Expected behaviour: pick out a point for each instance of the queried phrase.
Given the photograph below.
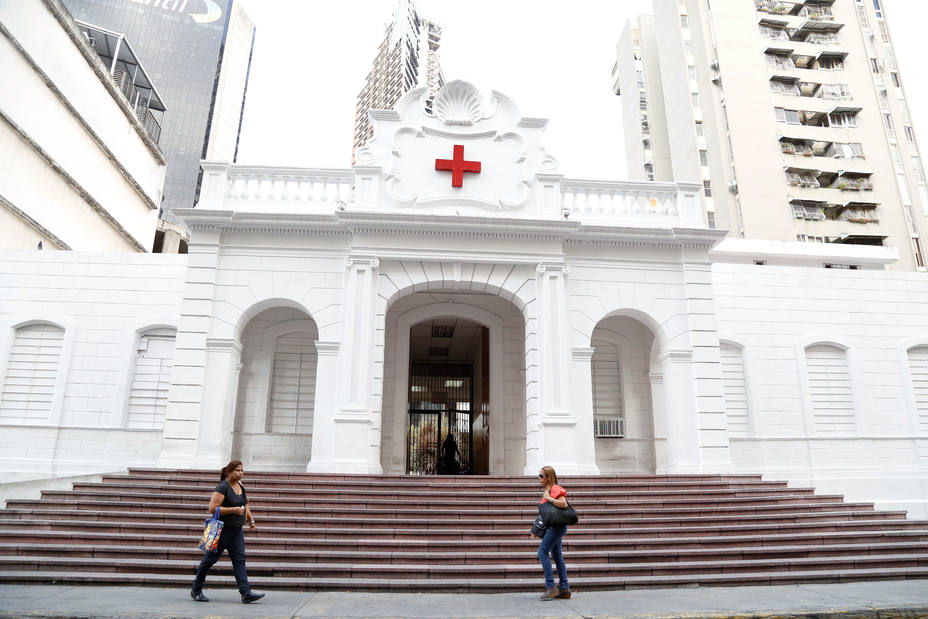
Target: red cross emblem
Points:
(457, 166)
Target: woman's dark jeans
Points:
(231, 539)
(551, 545)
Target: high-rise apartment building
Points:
(792, 114)
(198, 52)
(406, 59)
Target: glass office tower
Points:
(198, 52)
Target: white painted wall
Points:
(774, 313)
(103, 301)
(84, 128)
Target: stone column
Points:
(217, 413)
(354, 423)
(558, 439)
(680, 406)
(188, 377)
(581, 390)
(322, 451)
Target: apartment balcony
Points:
(818, 134)
(128, 75)
(831, 165)
(813, 105)
(855, 233)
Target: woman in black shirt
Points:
(229, 496)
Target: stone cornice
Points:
(454, 225)
(280, 223)
(623, 236)
(73, 184)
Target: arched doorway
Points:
(276, 390)
(623, 407)
(447, 429)
(454, 364)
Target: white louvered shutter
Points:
(151, 380)
(918, 367)
(735, 389)
(830, 390)
(608, 401)
(293, 385)
(31, 373)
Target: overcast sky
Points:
(553, 58)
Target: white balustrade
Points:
(285, 188)
(622, 203)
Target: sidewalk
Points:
(907, 598)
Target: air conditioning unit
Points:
(609, 428)
(733, 186)
(715, 64)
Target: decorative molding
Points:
(224, 344)
(367, 261)
(582, 354)
(458, 103)
(676, 356)
(543, 267)
(72, 182)
(329, 349)
(60, 244)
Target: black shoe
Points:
(248, 598)
(197, 594)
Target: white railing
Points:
(290, 185)
(622, 203)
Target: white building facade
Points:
(453, 283)
(791, 113)
(81, 171)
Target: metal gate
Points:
(438, 437)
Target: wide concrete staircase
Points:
(398, 533)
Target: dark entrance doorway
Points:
(440, 430)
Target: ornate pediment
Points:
(466, 155)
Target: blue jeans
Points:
(231, 539)
(551, 545)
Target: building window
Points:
(694, 99)
(909, 134)
(918, 370)
(293, 385)
(151, 379)
(608, 397)
(876, 7)
(684, 22)
(830, 390)
(707, 188)
(649, 171)
(875, 65)
(31, 373)
(691, 72)
(888, 121)
(735, 389)
(699, 131)
(703, 158)
(895, 78)
(831, 63)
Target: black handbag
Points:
(538, 526)
(556, 516)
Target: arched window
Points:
(293, 384)
(151, 379)
(735, 389)
(31, 373)
(608, 399)
(830, 390)
(918, 369)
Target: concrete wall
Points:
(78, 166)
(774, 313)
(103, 302)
